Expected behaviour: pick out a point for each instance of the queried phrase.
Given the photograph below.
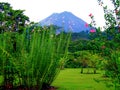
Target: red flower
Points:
(90, 15)
(103, 47)
(86, 25)
(92, 31)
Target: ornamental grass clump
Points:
(31, 59)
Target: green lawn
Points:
(71, 79)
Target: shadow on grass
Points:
(22, 87)
(106, 81)
(90, 73)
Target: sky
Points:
(38, 10)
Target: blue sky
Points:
(40, 9)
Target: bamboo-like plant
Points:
(32, 61)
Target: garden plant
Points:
(29, 56)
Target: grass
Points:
(71, 79)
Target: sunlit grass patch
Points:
(72, 79)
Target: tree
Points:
(95, 61)
(11, 20)
(84, 59)
(12, 23)
(112, 46)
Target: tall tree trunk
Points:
(94, 70)
(81, 69)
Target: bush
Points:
(31, 61)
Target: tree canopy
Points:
(10, 19)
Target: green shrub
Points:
(32, 61)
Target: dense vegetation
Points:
(31, 55)
(101, 50)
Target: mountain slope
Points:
(66, 20)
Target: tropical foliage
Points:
(29, 55)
